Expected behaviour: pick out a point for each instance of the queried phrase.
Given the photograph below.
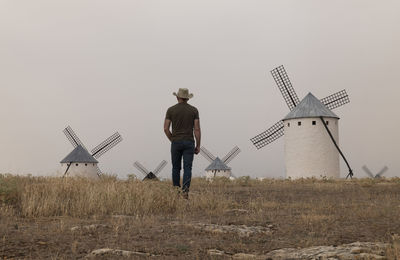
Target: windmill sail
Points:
(73, 138)
(268, 136)
(141, 168)
(106, 145)
(367, 171)
(232, 154)
(99, 173)
(160, 167)
(66, 171)
(379, 174)
(285, 86)
(209, 156)
(336, 100)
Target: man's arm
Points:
(197, 135)
(167, 124)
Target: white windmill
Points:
(219, 167)
(150, 175)
(311, 132)
(80, 162)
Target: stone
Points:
(242, 256)
(357, 250)
(241, 230)
(116, 252)
(123, 217)
(75, 228)
(236, 211)
(215, 252)
(88, 227)
(370, 256)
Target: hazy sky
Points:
(105, 66)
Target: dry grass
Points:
(79, 197)
(315, 200)
(304, 213)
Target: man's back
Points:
(182, 116)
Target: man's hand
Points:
(197, 135)
(167, 124)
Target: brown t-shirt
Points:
(182, 116)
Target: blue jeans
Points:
(182, 149)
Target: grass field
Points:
(37, 215)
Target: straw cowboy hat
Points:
(183, 93)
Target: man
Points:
(185, 121)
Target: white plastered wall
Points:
(88, 170)
(212, 174)
(309, 151)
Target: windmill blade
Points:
(268, 136)
(65, 173)
(369, 173)
(99, 173)
(160, 167)
(209, 156)
(72, 137)
(106, 145)
(232, 154)
(285, 86)
(379, 174)
(336, 100)
(141, 168)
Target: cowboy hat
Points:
(183, 93)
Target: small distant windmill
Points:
(376, 176)
(218, 167)
(148, 174)
(311, 132)
(80, 162)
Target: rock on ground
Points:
(357, 250)
(217, 254)
(89, 227)
(241, 230)
(115, 252)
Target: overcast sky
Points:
(105, 66)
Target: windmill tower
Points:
(148, 175)
(80, 162)
(311, 132)
(376, 176)
(218, 167)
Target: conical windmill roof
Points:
(217, 164)
(79, 155)
(310, 106)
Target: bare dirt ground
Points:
(287, 214)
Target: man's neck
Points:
(180, 101)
